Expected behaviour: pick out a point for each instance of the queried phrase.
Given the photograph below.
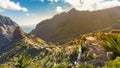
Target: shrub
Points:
(113, 64)
(21, 62)
(84, 65)
(63, 65)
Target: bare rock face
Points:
(18, 34)
(7, 26)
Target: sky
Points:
(28, 13)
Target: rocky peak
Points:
(6, 20)
(7, 26)
(18, 34)
(73, 9)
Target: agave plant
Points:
(111, 43)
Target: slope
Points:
(7, 26)
(67, 26)
(22, 43)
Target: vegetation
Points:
(113, 64)
(84, 65)
(111, 43)
(24, 55)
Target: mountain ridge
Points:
(67, 26)
(7, 26)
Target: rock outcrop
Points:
(7, 26)
(18, 34)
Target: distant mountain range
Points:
(67, 26)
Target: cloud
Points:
(56, 0)
(9, 5)
(27, 14)
(1, 10)
(30, 14)
(37, 0)
(42, 0)
(53, 1)
(59, 9)
(92, 5)
(74, 3)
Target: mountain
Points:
(21, 43)
(7, 26)
(67, 26)
(14, 41)
(18, 34)
(29, 51)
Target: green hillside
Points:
(28, 46)
(87, 51)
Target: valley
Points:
(73, 39)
